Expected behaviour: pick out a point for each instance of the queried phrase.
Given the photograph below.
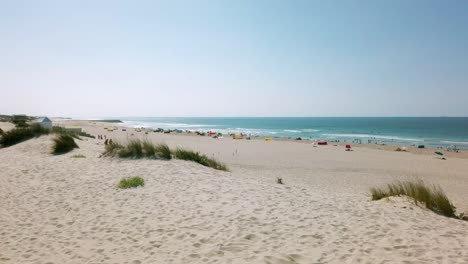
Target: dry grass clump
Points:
(433, 197)
(78, 156)
(18, 135)
(190, 155)
(131, 182)
(137, 149)
(63, 143)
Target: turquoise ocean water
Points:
(429, 131)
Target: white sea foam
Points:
(292, 131)
(372, 136)
(455, 142)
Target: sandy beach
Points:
(59, 209)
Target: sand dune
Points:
(59, 209)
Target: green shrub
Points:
(63, 143)
(20, 123)
(131, 182)
(432, 197)
(198, 158)
(18, 135)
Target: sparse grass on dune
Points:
(63, 143)
(163, 151)
(190, 155)
(131, 182)
(113, 149)
(18, 135)
(137, 149)
(78, 156)
(433, 197)
(133, 149)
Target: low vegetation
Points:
(137, 149)
(78, 156)
(279, 180)
(190, 155)
(63, 143)
(131, 182)
(18, 135)
(432, 197)
(77, 135)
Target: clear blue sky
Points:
(234, 58)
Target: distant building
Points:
(44, 122)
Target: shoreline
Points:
(462, 153)
(444, 144)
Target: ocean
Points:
(428, 131)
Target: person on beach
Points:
(110, 141)
(105, 142)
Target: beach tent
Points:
(322, 143)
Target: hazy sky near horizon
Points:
(234, 58)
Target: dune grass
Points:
(190, 155)
(18, 135)
(131, 182)
(63, 143)
(137, 149)
(78, 156)
(432, 197)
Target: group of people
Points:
(106, 141)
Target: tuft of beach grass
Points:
(63, 143)
(137, 149)
(432, 197)
(131, 182)
(190, 155)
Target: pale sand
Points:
(57, 209)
